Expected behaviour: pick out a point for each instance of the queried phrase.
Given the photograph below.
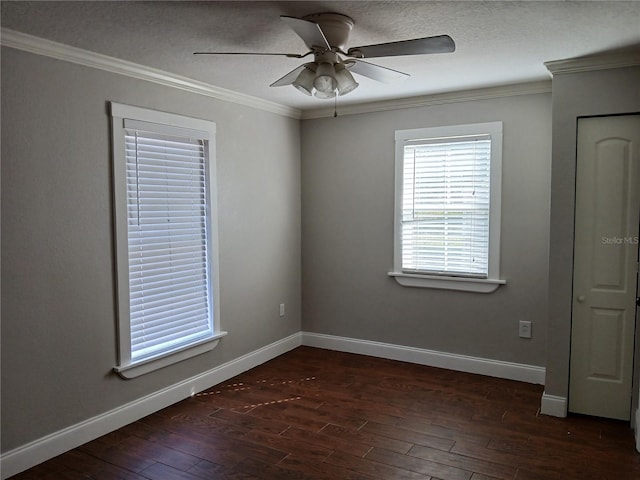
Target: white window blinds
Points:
(445, 206)
(170, 301)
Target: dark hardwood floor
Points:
(319, 414)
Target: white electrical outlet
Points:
(282, 309)
(525, 329)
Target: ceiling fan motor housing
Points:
(326, 57)
(335, 26)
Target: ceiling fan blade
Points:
(417, 46)
(375, 72)
(289, 78)
(290, 55)
(308, 31)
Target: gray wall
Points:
(604, 92)
(58, 315)
(347, 212)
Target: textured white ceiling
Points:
(497, 42)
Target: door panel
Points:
(605, 336)
(610, 199)
(605, 266)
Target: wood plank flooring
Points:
(315, 414)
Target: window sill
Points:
(135, 369)
(477, 285)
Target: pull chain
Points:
(335, 106)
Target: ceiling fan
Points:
(326, 35)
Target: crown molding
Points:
(594, 62)
(529, 88)
(60, 51)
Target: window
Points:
(166, 238)
(447, 214)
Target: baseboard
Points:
(462, 363)
(553, 405)
(36, 452)
(31, 454)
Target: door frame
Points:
(635, 392)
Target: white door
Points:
(605, 266)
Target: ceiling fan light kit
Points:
(326, 35)
(304, 81)
(346, 82)
(324, 78)
(325, 81)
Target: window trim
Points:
(452, 282)
(120, 114)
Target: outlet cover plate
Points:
(524, 329)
